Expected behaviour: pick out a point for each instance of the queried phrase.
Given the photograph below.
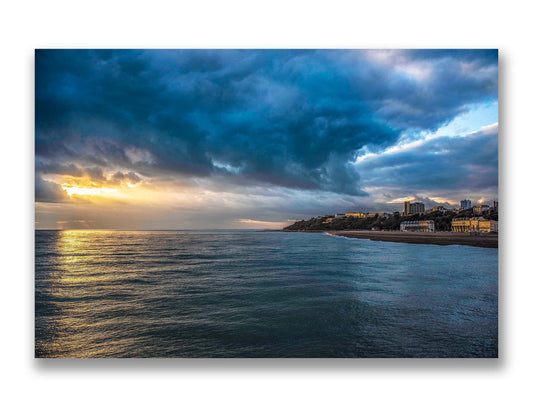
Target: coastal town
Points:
(477, 219)
(466, 225)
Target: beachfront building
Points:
(417, 226)
(464, 224)
(488, 226)
(474, 225)
(466, 204)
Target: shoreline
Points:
(436, 238)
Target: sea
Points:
(260, 294)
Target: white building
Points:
(417, 226)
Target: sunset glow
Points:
(76, 190)
(242, 139)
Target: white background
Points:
(26, 25)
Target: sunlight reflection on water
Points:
(227, 294)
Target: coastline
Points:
(436, 238)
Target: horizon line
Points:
(151, 230)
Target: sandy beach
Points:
(438, 238)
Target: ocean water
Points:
(260, 294)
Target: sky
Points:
(256, 139)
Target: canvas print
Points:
(266, 203)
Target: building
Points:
(417, 207)
(479, 209)
(412, 208)
(488, 226)
(438, 209)
(406, 208)
(340, 215)
(474, 225)
(417, 226)
(357, 214)
(495, 206)
(466, 204)
(464, 224)
(364, 215)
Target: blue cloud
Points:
(442, 164)
(290, 118)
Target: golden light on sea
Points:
(84, 288)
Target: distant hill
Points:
(443, 221)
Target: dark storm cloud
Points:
(287, 118)
(58, 168)
(481, 56)
(46, 191)
(445, 164)
(129, 177)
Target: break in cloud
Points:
(295, 130)
(455, 166)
